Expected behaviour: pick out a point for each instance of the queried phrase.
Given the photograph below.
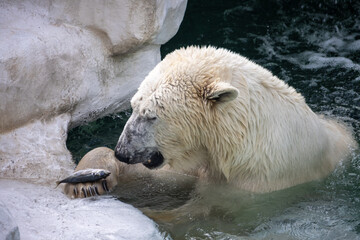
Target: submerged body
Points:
(216, 115)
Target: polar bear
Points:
(215, 114)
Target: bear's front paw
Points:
(83, 190)
(88, 183)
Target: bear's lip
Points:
(155, 161)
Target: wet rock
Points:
(8, 228)
(42, 213)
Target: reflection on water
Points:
(315, 47)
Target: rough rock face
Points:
(65, 62)
(62, 63)
(8, 228)
(41, 213)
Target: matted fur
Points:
(260, 136)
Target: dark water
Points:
(315, 47)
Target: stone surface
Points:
(63, 56)
(8, 228)
(42, 213)
(37, 151)
(83, 59)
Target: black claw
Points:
(75, 191)
(84, 192)
(107, 188)
(104, 183)
(96, 190)
(93, 193)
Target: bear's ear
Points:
(222, 92)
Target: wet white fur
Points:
(262, 137)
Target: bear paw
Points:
(84, 190)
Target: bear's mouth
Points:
(156, 160)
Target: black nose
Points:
(121, 157)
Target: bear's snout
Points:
(121, 157)
(150, 157)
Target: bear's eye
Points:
(152, 118)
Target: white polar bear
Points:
(215, 114)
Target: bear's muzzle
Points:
(150, 159)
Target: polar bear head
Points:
(187, 110)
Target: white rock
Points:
(37, 151)
(83, 59)
(8, 228)
(44, 213)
